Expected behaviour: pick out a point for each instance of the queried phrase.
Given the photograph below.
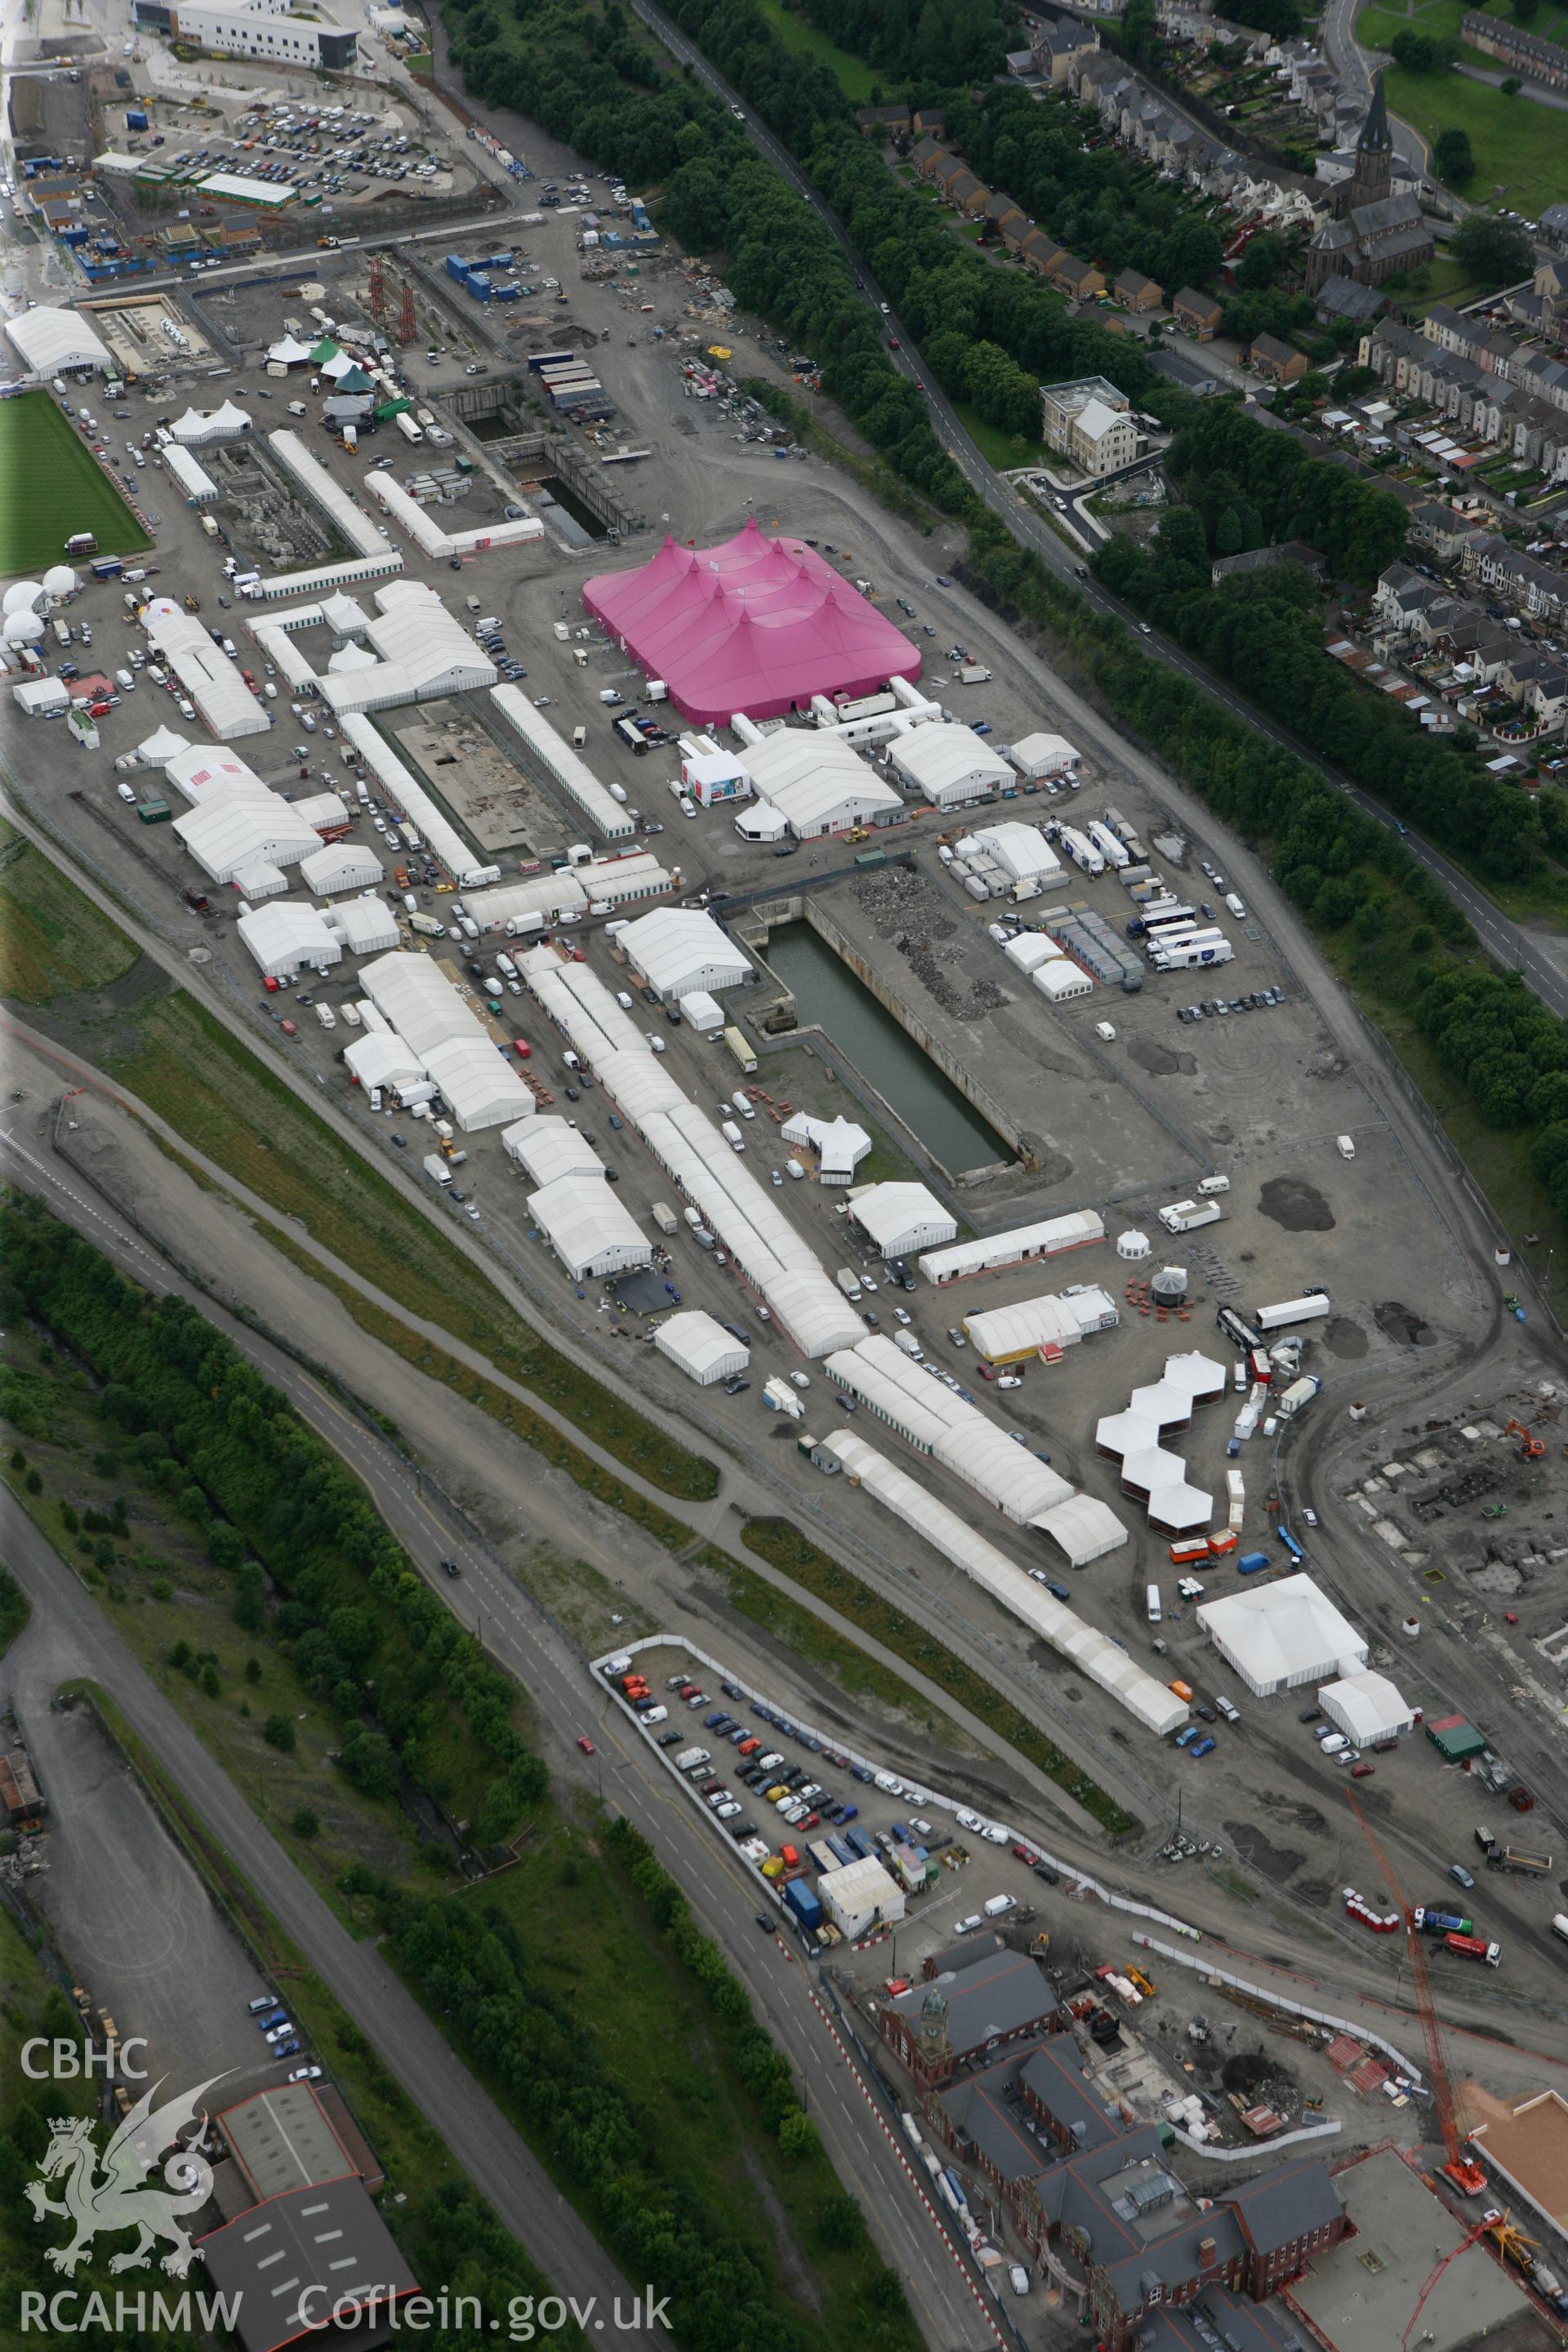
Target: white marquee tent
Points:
(1279, 1636)
(1366, 1707)
(701, 1347)
(585, 1225)
(901, 1218)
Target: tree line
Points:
(274, 1508)
(470, 1963)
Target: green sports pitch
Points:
(54, 488)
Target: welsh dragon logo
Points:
(114, 2195)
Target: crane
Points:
(1469, 2238)
(1463, 2172)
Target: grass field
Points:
(1521, 147)
(856, 78)
(54, 488)
(51, 940)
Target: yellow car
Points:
(774, 1866)
(777, 1793)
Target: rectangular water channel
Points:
(828, 995)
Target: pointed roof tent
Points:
(754, 623)
(1376, 139)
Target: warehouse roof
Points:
(204, 770)
(548, 1148)
(943, 754)
(478, 1081)
(1044, 749)
(670, 945)
(342, 865)
(806, 776)
(1051, 1320)
(50, 340)
(1021, 849)
(417, 999)
(230, 834)
(336, 2253)
(1282, 1632)
(367, 924)
(584, 1218)
(888, 1211)
(1046, 1238)
(1082, 1529)
(287, 930)
(381, 1058)
(700, 1345)
(1366, 1706)
(282, 2140)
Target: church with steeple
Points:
(1373, 233)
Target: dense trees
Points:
(1456, 163)
(205, 1430)
(1498, 252)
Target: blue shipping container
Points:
(859, 1843)
(1250, 1562)
(842, 1848)
(799, 1898)
(455, 266)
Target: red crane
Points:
(1463, 2174)
(1466, 2242)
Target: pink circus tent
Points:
(756, 625)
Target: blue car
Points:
(271, 2017)
(1185, 1737)
(1203, 1747)
(860, 1772)
(849, 1813)
(287, 2049)
(1059, 1591)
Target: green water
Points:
(827, 992)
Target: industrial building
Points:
(899, 1219)
(1047, 1237)
(198, 485)
(211, 680)
(677, 949)
(1061, 980)
(860, 1897)
(57, 342)
(950, 765)
(935, 1420)
(1041, 1327)
(818, 784)
(701, 1347)
(416, 999)
(588, 1229)
(753, 624)
(365, 925)
(443, 545)
(228, 835)
(1089, 420)
(1278, 1636)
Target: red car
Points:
(584, 1743)
(521, 1048)
(268, 983)
(1363, 1771)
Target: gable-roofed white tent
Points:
(679, 949)
(286, 935)
(56, 341)
(227, 834)
(949, 763)
(480, 1085)
(899, 1218)
(701, 1347)
(546, 1148)
(420, 1003)
(365, 925)
(381, 1058)
(342, 865)
(817, 782)
(1367, 1708)
(587, 1227)
(210, 679)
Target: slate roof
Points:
(1287, 2204)
(1001, 1996)
(1055, 2075)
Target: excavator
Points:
(1531, 1448)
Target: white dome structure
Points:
(22, 596)
(1132, 1245)
(59, 580)
(23, 629)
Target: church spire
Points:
(1376, 136)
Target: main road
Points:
(1504, 939)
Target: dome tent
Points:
(22, 596)
(59, 580)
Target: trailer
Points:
(1080, 849)
(1311, 1308)
(1195, 955)
(1428, 1920)
(1298, 1393)
(1228, 1320)
(1185, 1216)
(1474, 1948)
(1511, 1857)
(741, 1046)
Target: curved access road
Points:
(1504, 939)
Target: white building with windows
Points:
(268, 29)
(1089, 420)
(818, 784)
(899, 1219)
(949, 763)
(680, 950)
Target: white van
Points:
(1333, 1743)
(1153, 1602)
(999, 1905)
(506, 967)
(1345, 1146)
(1231, 1714)
(1212, 1184)
(1235, 905)
(125, 681)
